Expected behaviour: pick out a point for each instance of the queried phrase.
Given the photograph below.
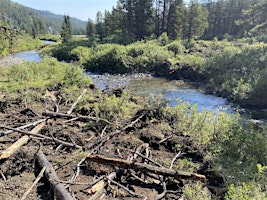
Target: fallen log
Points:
(19, 143)
(51, 175)
(126, 164)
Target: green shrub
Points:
(110, 58)
(245, 192)
(80, 54)
(163, 39)
(239, 73)
(143, 57)
(49, 73)
(176, 47)
(195, 192)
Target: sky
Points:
(81, 9)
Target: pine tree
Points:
(176, 19)
(90, 29)
(100, 31)
(196, 20)
(66, 29)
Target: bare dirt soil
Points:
(136, 141)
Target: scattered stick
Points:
(34, 183)
(174, 159)
(51, 175)
(77, 117)
(20, 142)
(43, 137)
(26, 126)
(116, 132)
(145, 167)
(165, 139)
(76, 102)
(163, 194)
(125, 188)
(3, 176)
(75, 176)
(98, 189)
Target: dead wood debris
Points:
(117, 163)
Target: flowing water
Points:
(170, 90)
(143, 84)
(29, 56)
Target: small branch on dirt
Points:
(43, 137)
(79, 117)
(145, 167)
(76, 102)
(51, 175)
(163, 194)
(98, 189)
(20, 142)
(165, 139)
(3, 176)
(73, 179)
(174, 159)
(76, 183)
(40, 175)
(25, 126)
(125, 188)
(116, 132)
(149, 159)
(71, 120)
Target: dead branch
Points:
(43, 137)
(20, 142)
(3, 176)
(76, 102)
(174, 159)
(34, 183)
(51, 175)
(26, 126)
(98, 189)
(116, 132)
(145, 167)
(125, 188)
(79, 117)
(73, 179)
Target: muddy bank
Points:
(71, 138)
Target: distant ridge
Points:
(23, 18)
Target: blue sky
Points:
(81, 9)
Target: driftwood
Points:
(51, 175)
(145, 168)
(20, 142)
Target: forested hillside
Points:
(29, 20)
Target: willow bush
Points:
(239, 73)
(49, 73)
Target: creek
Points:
(143, 84)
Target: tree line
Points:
(132, 20)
